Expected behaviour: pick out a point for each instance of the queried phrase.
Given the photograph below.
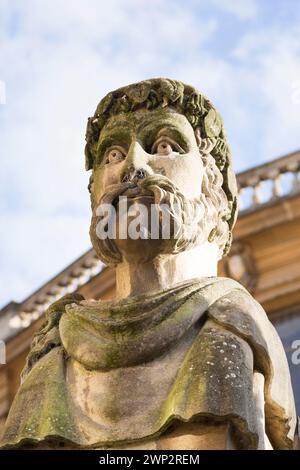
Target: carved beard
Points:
(191, 220)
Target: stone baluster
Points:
(256, 195)
(295, 182)
(294, 169)
(275, 177)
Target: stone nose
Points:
(134, 175)
(136, 165)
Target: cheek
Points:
(104, 177)
(185, 171)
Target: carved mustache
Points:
(156, 186)
(184, 212)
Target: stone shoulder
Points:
(48, 337)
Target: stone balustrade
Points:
(266, 183)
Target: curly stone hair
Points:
(185, 99)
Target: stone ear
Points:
(205, 145)
(212, 234)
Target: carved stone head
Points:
(161, 142)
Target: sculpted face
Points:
(159, 143)
(145, 143)
(152, 158)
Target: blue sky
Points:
(57, 59)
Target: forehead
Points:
(145, 121)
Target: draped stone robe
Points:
(103, 374)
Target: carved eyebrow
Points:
(166, 138)
(150, 132)
(175, 134)
(121, 138)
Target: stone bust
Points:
(180, 358)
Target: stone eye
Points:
(114, 155)
(165, 146)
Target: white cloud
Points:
(242, 9)
(274, 57)
(35, 247)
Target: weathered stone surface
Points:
(173, 365)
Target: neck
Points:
(166, 271)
